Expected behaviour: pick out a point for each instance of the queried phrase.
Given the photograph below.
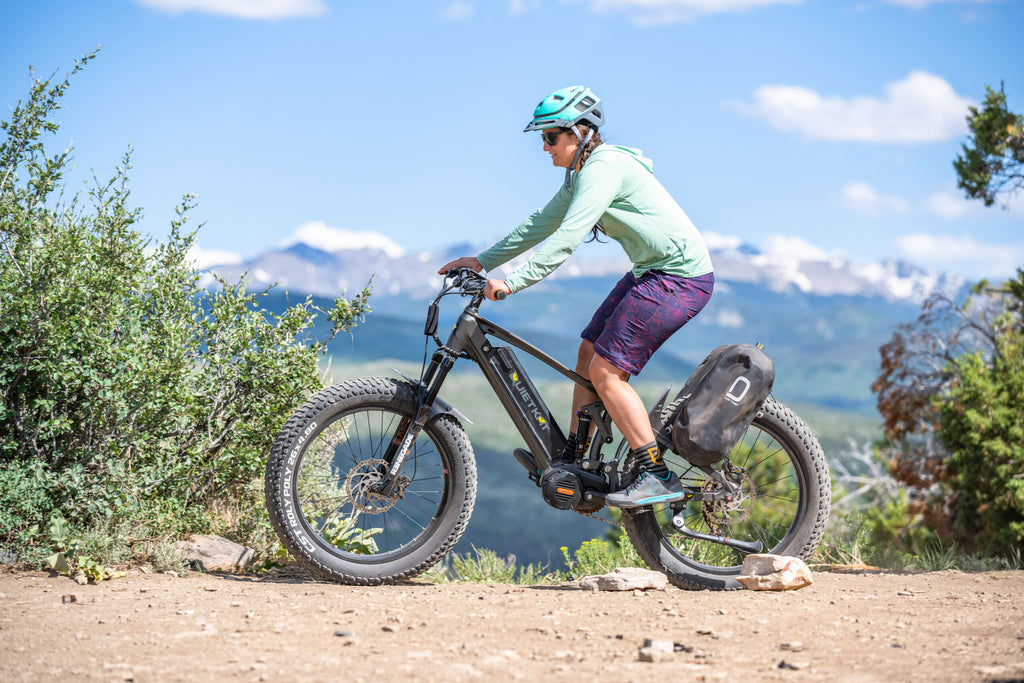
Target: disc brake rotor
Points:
(723, 511)
(364, 483)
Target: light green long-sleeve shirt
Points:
(617, 190)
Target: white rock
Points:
(626, 579)
(762, 572)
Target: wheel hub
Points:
(728, 508)
(365, 483)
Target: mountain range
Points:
(328, 265)
(821, 316)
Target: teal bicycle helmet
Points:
(565, 108)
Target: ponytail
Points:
(592, 144)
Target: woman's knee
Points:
(603, 373)
(584, 357)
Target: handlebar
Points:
(469, 282)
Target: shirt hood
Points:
(629, 151)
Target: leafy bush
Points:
(127, 391)
(983, 430)
(950, 394)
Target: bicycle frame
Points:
(509, 381)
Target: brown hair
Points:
(592, 144)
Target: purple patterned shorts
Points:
(641, 313)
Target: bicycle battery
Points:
(523, 403)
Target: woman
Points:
(610, 189)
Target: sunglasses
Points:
(551, 136)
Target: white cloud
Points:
(729, 317)
(794, 249)
(921, 4)
(204, 258)
(862, 198)
(961, 254)
(321, 236)
(921, 108)
(519, 7)
(459, 10)
(243, 9)
(719, 242)
(652, 12)
(949, 204)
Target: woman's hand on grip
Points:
(463, 262)
(496, 290)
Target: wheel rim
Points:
(336, 499)
(768, 508)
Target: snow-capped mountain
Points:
(309, 263)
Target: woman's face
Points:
(564, 148)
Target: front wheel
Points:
(323, 493)
(783, 500)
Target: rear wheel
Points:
(323, 476)
(783, 499)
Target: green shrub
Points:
(484, 566)
(983, 429)
(127, 391)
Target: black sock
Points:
(649, 458)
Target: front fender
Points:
(440, 407)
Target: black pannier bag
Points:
(719, 401)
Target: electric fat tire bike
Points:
(373, 480)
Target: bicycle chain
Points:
(600, 519)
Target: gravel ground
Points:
(943, 626)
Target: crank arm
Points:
(748, 547)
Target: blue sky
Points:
(818, 126)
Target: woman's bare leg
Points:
(620, 399)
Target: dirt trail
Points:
(945, 626)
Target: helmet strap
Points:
(581, 143)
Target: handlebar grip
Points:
(500, 295)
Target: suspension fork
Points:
(409, 429)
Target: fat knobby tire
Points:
(648, 539)
(284, 505)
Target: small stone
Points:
(762, 572)
(659, 645)
(795, 666)
(342, 633)
(646, 654)
(214, 553)
(626, 579)
(795, 646)
(69, 598)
